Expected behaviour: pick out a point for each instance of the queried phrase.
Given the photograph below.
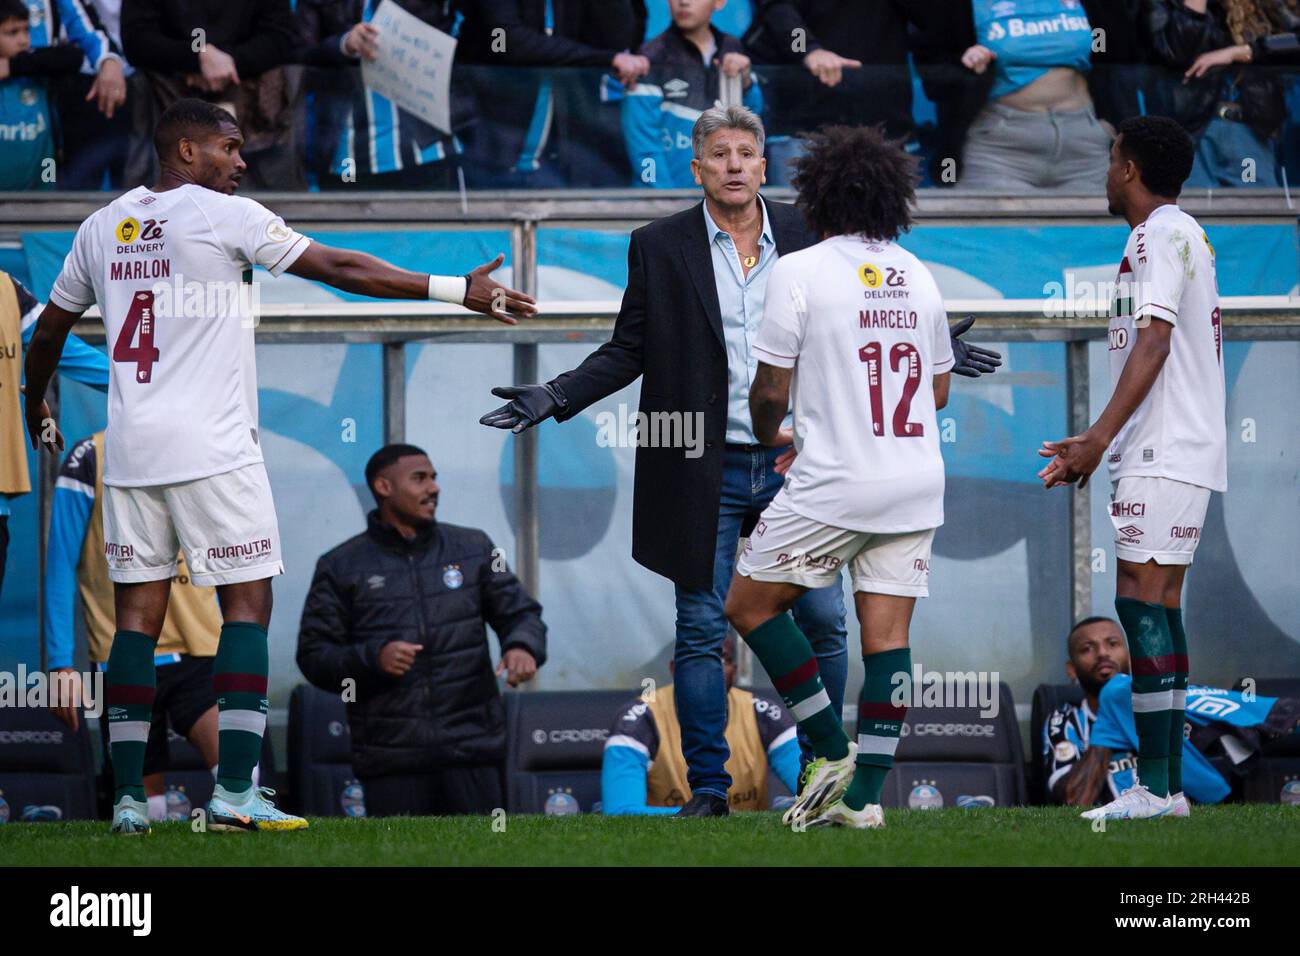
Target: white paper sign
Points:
(413, 68)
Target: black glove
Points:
(971, 360)
(529, 405)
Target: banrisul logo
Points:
(1017, 27)
(75, 909)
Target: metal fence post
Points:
(1079, 417)
(527, 527)
(47, 473)
(394, 384)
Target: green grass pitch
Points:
(1214, 836)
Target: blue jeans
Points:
(749, 482)
(1219, 154)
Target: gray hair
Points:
(725, 117)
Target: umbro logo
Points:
(1132, 531)
(676, 88)
(376, 581)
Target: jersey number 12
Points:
(143, 354)
(902, 352)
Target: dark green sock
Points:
(239, 678)
(1174, 617)
(880, 723)
(129, 686)
(1151, 651)
(788, 658)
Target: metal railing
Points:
(395, 324)
(523, 214)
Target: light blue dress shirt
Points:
(740, 298)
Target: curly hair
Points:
(1162, 151)
(852, 180)
(1248, 20)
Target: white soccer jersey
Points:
(1179, 430)
(864, 328)
(167, 272)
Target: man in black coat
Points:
(394, 621)
(691, 310)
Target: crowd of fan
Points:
(1013, 94)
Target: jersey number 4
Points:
(143, 354)
(905, 355)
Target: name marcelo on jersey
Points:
(886, 319)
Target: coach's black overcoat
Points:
(669, 331)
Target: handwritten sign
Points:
(413, 68)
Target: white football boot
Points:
(1135, 803)
(824, 782)
(130, 817)
(840, 814)
(249, 811)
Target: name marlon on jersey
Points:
(122, 270)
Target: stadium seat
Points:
(320, 756)
(952, 756)
(1281, 747)
(1273, 780)
(1275, 777)
(1047, 698)
(554, 744)
(46, 771)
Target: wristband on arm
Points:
(453, 289)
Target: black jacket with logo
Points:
(439, 589)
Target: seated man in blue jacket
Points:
(643, 770)
(1090, 748)
(687, 64)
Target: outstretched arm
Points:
(1075, 458)
(364, 274)
(971, 360)
(43, 353)
(614, 365)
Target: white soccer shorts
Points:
(226, 524)
(1157, 519)
(787, 547)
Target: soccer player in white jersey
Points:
(1164, 436)
(184, 461)
(855, 330)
